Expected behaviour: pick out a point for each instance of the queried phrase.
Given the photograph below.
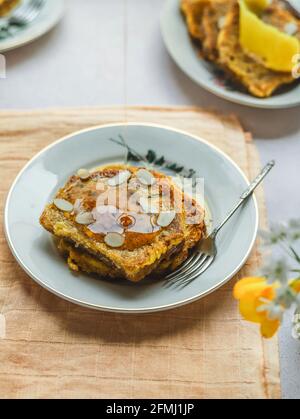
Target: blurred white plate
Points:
(182, 50)
(51, 13)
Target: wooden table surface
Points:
(82, 63)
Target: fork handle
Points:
(248, 192)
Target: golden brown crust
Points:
(7, 5)
(79, 260)
(193, 11)
(132, 263)
(213, 17)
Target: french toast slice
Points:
(193, 11)
(80, 260)
(256, 78)
(142, 252)
(213, 20)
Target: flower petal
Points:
(269, 328)
(296, 285)
(253, 293)
(242, 286)
(248, 309)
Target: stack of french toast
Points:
(255, 42)
(124, 222)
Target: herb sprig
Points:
(151, 158)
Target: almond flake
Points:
(120, 178)
(114, 240)
(166, 218)
(145, 177)
(85, 218)
(63, 205)
(83, 174)
(221, 22)
(77, 206)
(291, 28)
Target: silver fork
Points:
(23, 15)
(206, 251)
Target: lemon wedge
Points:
(272, 47)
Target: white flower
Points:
(276, 271)
(274, 310)
(293, 231)
(298, 302)
(276, 234)
(296, 326)
(286, 296)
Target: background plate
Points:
(39, 180)
(49, 16)
(181, 48)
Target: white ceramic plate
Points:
(38, 182)
(50, 15)
(182, 50)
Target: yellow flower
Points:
(296, 285)
(252, 294)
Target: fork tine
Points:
(197, 274)
(196, 259)
(196, 268)
(181, 268)
(190, 262)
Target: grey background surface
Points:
(110, 52)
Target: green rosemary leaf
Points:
(160, 162)
(113, 140)
(172, 166)
(179, 169)
(151, 156)
(133, 157)
(132, 154)
(192, 173)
